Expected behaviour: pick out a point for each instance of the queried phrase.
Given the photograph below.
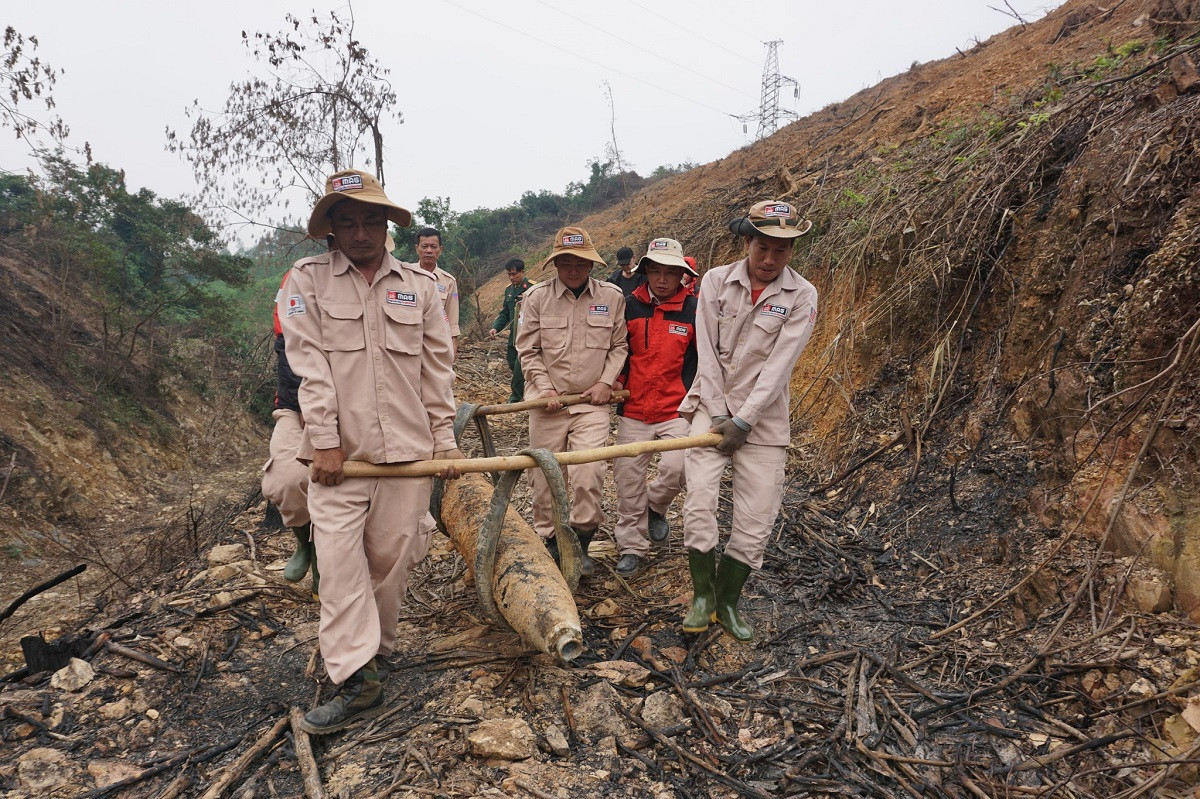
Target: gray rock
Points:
(557, 741)
(504, 739)
(227, 553)
(662, 709)
(596, 714)
(73, 676)
(45, 769)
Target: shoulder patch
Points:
(295, 305)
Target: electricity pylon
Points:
(769, 111)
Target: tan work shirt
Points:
(447, 287)
(569, 344)
(374, 360)
(746, 351)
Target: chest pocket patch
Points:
(342, 327)
(404, 329)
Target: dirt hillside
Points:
(1006, 247)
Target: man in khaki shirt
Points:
(429, 249)
(571, 339)
(366, 335)
(753, 321)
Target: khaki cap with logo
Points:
(777, 219)
(667, 252)
(352, 184)
(573, 241)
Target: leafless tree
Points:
(320, 106)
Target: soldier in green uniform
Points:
(515, 269)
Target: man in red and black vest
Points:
(285, 479)
(661, 316)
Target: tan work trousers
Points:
(285, 479)
(758, 473)
(633, 497)
(368, 537)
(562, 431)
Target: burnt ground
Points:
(851, 687)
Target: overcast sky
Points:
(497, 97)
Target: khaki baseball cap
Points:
(573, 241)
(777, 219)
(352, 184)
(667, 252)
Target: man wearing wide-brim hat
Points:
(369, 340)
(571, 340)
(661, 317)
(754, 318)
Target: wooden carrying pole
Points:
(511, 463)
(529, 405)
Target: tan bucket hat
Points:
(776, 219)
(352, 184)
(573, 241)
(667, 252)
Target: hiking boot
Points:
(703, 566)
(658, 527)
(298, 563)
(359, 697)
(628, 565)
(586, 566)
(731, 576)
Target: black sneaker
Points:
(628, 565)
(659, 528)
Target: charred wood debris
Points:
(873, 674)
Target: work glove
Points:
(734, 433)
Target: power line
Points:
(589, 60)
(697, 35)
(641, 48)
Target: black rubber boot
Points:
(731, 576)
(628, 565)
(359, 697)
(657, 525)
(297, 565)
(316, 586)
(703, 567)
(586, 566)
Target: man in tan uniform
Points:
(753, 321)
(571, 338)
(429, 249)
(367, 336)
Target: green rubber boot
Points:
(704, 601)
(298, 563)
(731, 576)
(359, 697)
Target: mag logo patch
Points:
(347, 183)
(295, 305)
(401, 298)
(678, 330)
(782, 209)
(659, 244)
(777, 311)
(574, 240)
(598, 310)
